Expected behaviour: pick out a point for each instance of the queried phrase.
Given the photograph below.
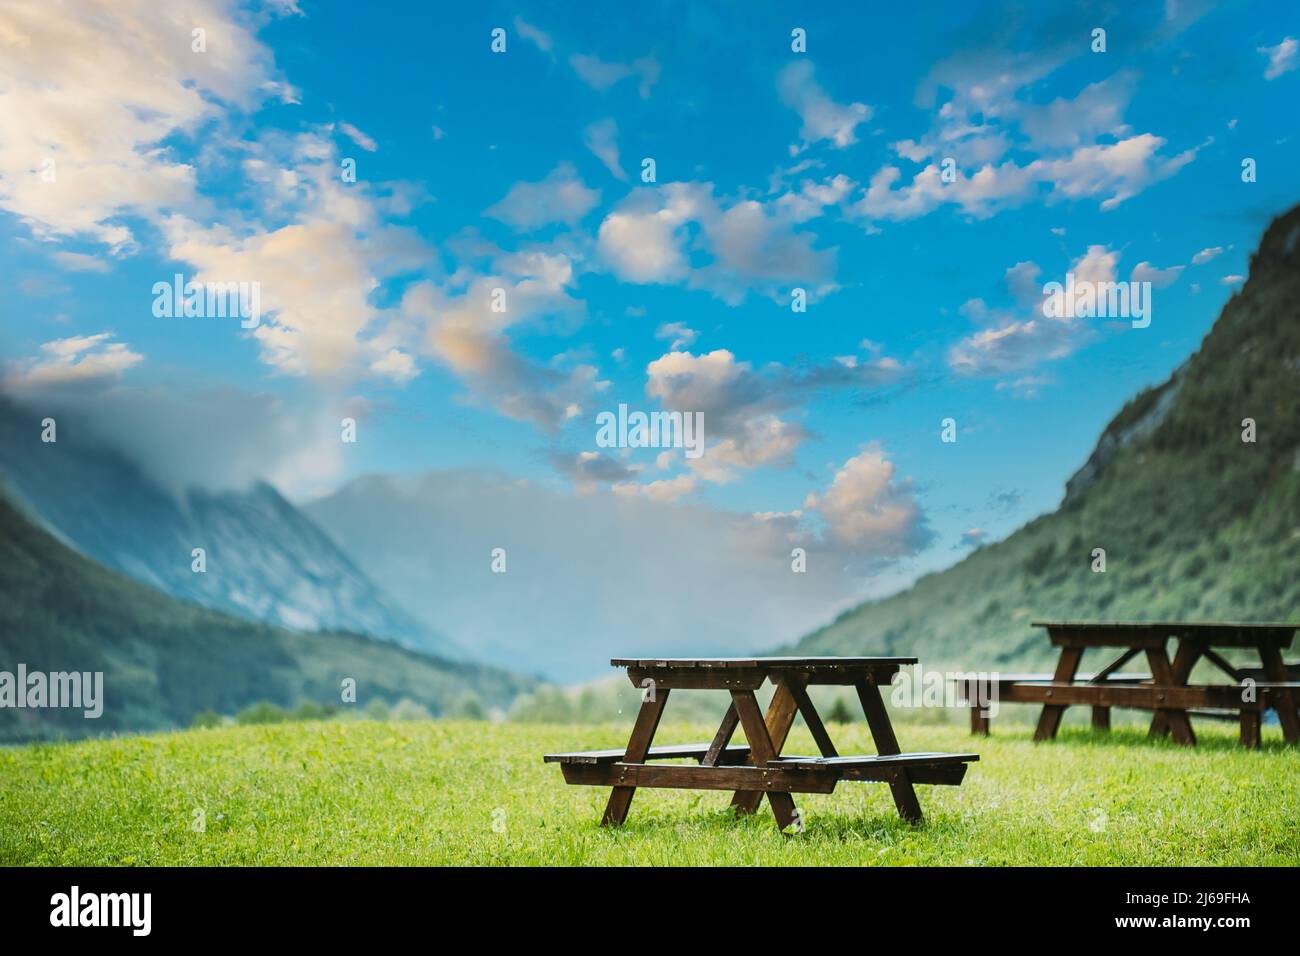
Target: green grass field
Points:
(365, 792)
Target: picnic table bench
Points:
(759, 768)
(1274, 685)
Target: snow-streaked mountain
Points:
(265, 559)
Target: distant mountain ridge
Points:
(164, 660)
(265, 559)
(1195, 522)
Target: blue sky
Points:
(522, 170)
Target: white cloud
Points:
(462, 331)
(602, 139)
(560, 197)
(96, 89)
(80, 262)
(358, 137)
(823, 118)
(317, 271)
(742, 247)
(600, 75)
(742, 405)
(535, 35)
(81, 360)
(1281, 58)
(1205, 255)
(1021, 337)
(641, 239)
(867, 511)
(678, 334)
(1159, 278)
(662, 490)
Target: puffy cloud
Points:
(1159, 278)
(742, 247)
(823, 118)
(1205, 255)
(1022, 336)
(867, 512)
(81, 360)
(463, 332)
(642, 239)
(742, 405)
(1281, 58)
(96, 89)
(1119, 170)
(318, 252)
(560, 197)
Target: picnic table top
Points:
(762, 663)
(1171, 625)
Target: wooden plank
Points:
(874, 760)
(1100, 718)
(1113, 666)
(1138, 696)
(1049, 721)
(777, 782)
(764, 748)
(767, 663)
(735, 753)
(882, 732)
(701, 678)
(722, 738)
(638, 746)
(812, 719)
(1222, 664)
(1146, 634)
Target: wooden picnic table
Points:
(759, 768)
(1166, 690)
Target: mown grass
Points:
(446, 792)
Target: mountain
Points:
(164, 660)
(264, 558)
(1195, 522)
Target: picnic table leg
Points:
(762, 748)
(882, 732)
(1185, 659)
(1049, 721)
(1286, 706)
(1250, 721)
(1100, 717)
(638, 746)
(1175, 720)
(780, 716)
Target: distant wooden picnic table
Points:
(759, 768)
(1165, 690)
